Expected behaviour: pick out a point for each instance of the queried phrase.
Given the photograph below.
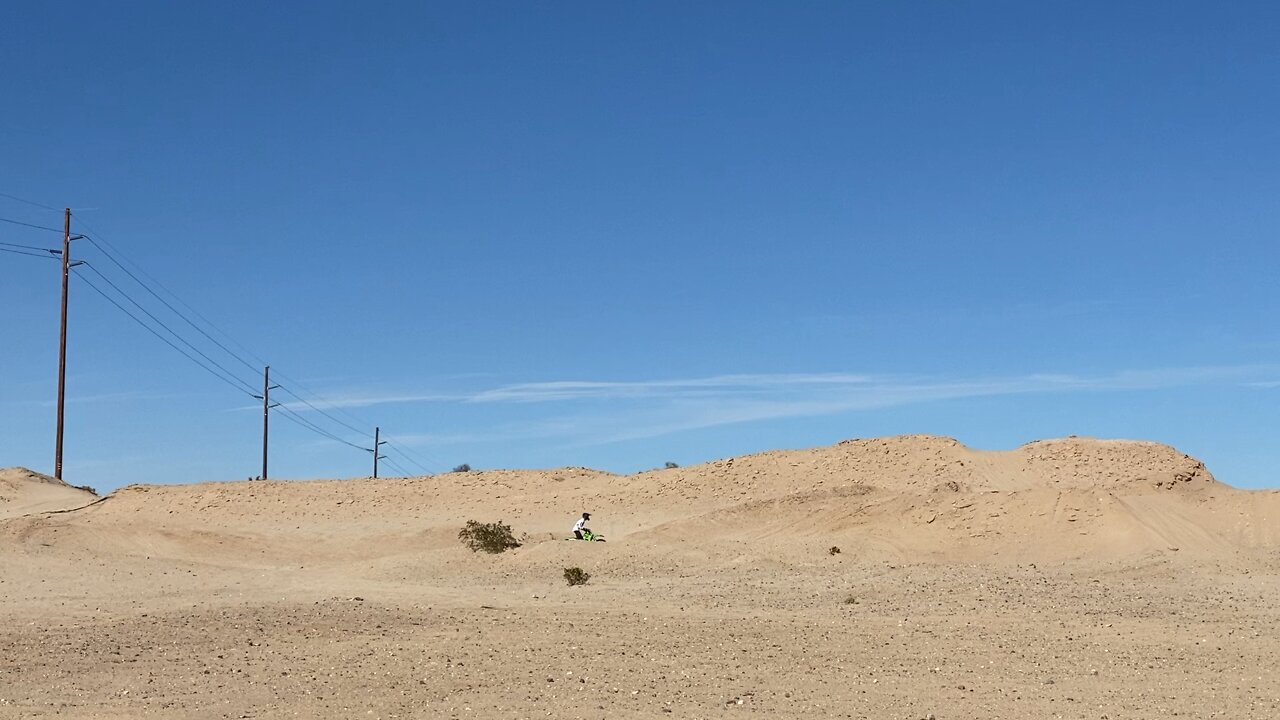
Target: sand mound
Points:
(911, 497)
(932, 498)
(26, 492)
(968, 584)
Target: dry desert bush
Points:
(488, 537)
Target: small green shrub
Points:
(488, 537)
(576, 576)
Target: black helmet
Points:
(586, 516)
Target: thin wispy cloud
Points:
(562, 390)
(361, 400)
(644, 409)
(715, 385)
(440, 438)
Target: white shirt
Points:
(582, 522)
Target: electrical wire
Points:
(397, 468)
(288, 413)
(98, 237)
(31, 247)
(432, 459)
(332, 405)
(349, 427)
(221, 372)
(166, 304)
(168, 329)
(293, 416)
(31, 254)
(408, 459)
(403, 453)
(300, 399)
(102, 244)
(152, 330)
(29, 202)
(27, 224)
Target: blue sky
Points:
(619, 234)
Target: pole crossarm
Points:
(378, 442)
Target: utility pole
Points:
(377, 445)
(267, 387)
(62, 340)
(67, 237)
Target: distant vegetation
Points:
(576, 576)
(86, 488)
(488, 537)
(670, 465)
(463, 468)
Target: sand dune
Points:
(23, 492)
(1132, 551)
(920, 498)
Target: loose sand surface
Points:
(1071, 578)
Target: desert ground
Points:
(1070, 578)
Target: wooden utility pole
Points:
(377, 446)
(267, 387)
(62, 340)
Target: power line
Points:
(102, 244)
(407, 458)
(322, 412)
(350, 427)
(26, 224)
(158, 321)
(298, 419)
(152, 330)
(332, 405)
(96, 237)
(413, 457)
(99, 237)
(31, 247)
(31, 254)
(29, 202)
(166, 304)
(396, 467)
(403, 453)
(288, 413)
(156, 325)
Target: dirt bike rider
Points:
(581, 525)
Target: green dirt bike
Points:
(590, 536)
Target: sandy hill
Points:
(931, 497)
(919, 497)
(1063, 578)
(25, 492)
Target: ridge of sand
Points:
(1065, 578)
(26, 492)
(922, 497)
